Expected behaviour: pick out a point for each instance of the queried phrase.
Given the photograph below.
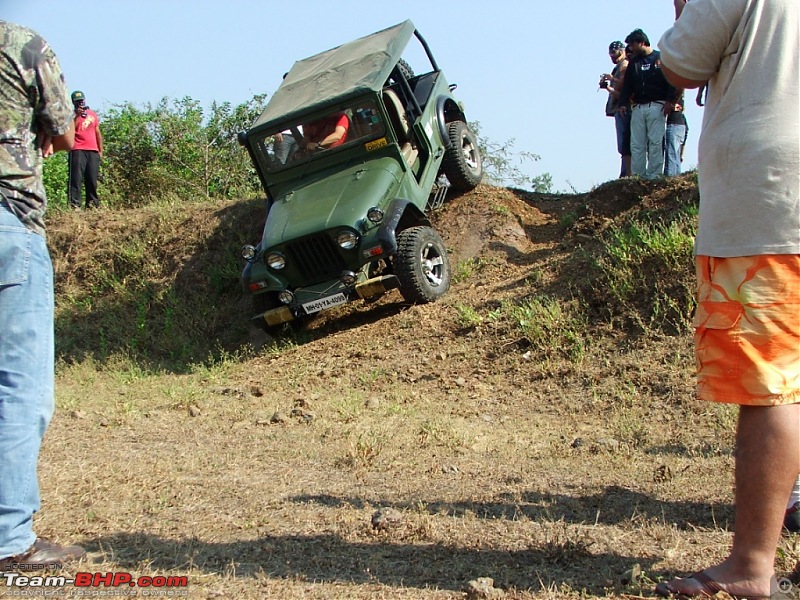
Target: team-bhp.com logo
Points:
(89, 584)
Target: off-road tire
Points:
(405, 69)
(421, 265)
(462, 162)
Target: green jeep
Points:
(353, 149)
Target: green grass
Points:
(646, 271)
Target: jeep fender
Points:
(401, 214)
(447, 110)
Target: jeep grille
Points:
(317, 258)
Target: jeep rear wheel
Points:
(421, 265)
(462, 160)
(405, 69)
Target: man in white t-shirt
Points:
(747, 323)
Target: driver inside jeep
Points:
(327, 132)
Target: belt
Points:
(661, 102)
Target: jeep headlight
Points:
(375, 215)
(276, 260)
(249, 252)
(347, 239)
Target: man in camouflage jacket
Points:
(35, 120)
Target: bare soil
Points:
(391, 451)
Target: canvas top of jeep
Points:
(332, 76)
(349, 150)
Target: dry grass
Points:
(552, 475)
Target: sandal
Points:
(708, 589)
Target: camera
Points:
(604, 84)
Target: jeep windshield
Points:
(321, 134)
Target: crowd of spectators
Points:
(648, 113)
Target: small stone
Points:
(461, 382)
(527, 355)
(194, 411)
(76, 414)
(386, 518)
(632, 575)
(482, 588)
(577, 443)
(278, 417)
(302, 413)
(372, 402)
(449, 469)
(609, 444)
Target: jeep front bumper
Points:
(365, 289)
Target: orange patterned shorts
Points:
(747, 329)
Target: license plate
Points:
(322, 303)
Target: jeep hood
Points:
(341, 200)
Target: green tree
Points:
(129, 155)
(502, 165)
(174, 149)
(56, 178)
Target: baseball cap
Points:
(614, 46)
(78, 96)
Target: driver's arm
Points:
(334, 137)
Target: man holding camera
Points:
(612, 83)
(84, 159)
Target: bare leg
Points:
(767, 463)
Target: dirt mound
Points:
(489, 219)
(133, 279)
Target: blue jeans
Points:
(648, 125)
(674, 138)
(623, 126)
(26, 375)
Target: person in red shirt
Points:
(84, 158)
(327, 132)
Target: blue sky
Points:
(526, 70)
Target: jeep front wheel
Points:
(462, 160)
(421, 265)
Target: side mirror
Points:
(242, 138)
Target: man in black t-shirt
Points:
(652, 98)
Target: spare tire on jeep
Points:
(462, 163)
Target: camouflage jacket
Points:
(33, 100)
